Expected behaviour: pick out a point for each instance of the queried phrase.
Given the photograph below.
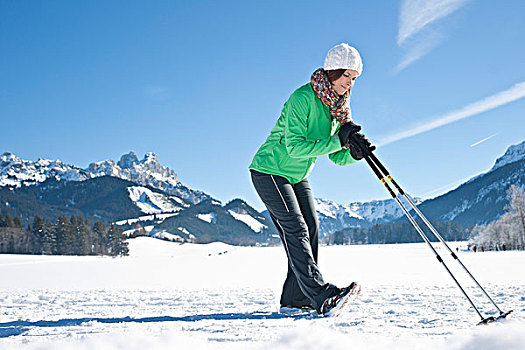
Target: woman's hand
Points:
(361, 139)
(355, 149)
(361, 145)
(345, 131)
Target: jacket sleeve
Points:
(342, 157)
(297, 146)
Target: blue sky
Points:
(201, 83)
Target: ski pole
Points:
(432, 229)
(422, 234)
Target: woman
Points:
(316, 120)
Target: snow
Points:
(255, 225)
(458, 209)
(178, 200)
(15, 172)
(215, 296)
(159, 217)
(372, 211)
(166, 235)
(150, 202)
(334, 210)
(513, 154)
(209, 218)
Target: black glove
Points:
(355, 149)
(345, 131)
(361, 140)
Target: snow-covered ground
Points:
(254, 224)
(171, 296)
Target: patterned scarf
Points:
(339, 105)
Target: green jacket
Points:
(304, 131)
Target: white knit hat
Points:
(343, 56)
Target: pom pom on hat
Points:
(343, 56)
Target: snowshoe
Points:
(289, 310)
(333, 305)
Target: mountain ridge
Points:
(16, 172)
(152, 197)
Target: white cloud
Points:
(416, 15)
(514, 93)
(485, 139)
(419, 48)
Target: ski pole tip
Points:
(504, 315)
(491, 319)
(487, 320)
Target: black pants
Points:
(292, 210)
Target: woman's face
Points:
(345, 82)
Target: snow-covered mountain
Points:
(17, 172)
(147, 172)
(482, 199)
(235, 222)
(151, 202)
(334, 216)
(479, 200)
(143, 194)
(513, 154)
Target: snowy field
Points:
(171, 296)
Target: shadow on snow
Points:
(8, 329)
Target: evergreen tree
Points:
(340, 238)
(360, 236)
(38, 234)
(110, 237)
(121, 246)
(11, 245)
(116, 241)
(64, 235)
(76, 240)
(38, 225)
(73, 220)
(17, 222)
(8, 221)
(82, 233)
(99, 238)
(49, 241)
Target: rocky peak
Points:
(147, 171)
(151, 162)
(513, 154)
(105, 167)
(15, 172)
(150, 157)
(128, 160)
(7, 157)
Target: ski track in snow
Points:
(392, 315)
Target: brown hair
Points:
(335, 74)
